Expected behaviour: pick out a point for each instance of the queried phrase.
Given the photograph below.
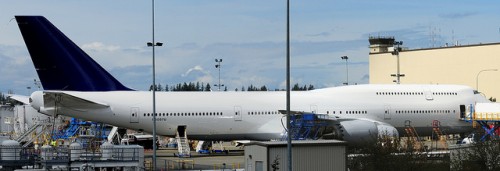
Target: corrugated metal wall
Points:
(317, 158)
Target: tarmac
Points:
(166, 160)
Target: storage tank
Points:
(10, 150)
(75, 151)
(46, 152)
(107, 151)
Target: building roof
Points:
(298, 143)
(442, 47)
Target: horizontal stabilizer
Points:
(20, 98)
(53, 99)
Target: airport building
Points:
(476, 65)
(315, 155)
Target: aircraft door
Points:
(387, 112)
(428, 95)
(237, 113)
(134, 115)
(314, 108)
(462, 111)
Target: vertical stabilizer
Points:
(60, 63)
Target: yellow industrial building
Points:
(477, 65)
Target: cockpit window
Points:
(476, 92)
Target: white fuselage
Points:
(254, 115)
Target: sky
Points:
(249, 36)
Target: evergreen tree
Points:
(242, 88)
(263, 88)
(296, 87)
(159, 87)
(225, 88)
(179, 87)
(2, 98)
(207, 88)
(311, 87)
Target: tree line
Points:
(206, 87)
(3, 98)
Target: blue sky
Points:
(248, 35)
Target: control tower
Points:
(380, 44)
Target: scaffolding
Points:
(487, 115)
(305, 126)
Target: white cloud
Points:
(99, 46)
(195, 68)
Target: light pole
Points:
(396, 51)
(218, 66)
(288, 117)
(37, 83)
(153, 44)
(346, 70)
(477, 77)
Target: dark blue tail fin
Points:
(60, 63)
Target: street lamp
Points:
(396, 51)
(153, 44)
(37, 83)
(218, 66)
(346, 70)
(477, 77)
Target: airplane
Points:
(77, 86)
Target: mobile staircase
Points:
(182, 142)
(441, 139)
(34, 130)
(413, 140)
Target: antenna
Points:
(453, 36)
(432, 36)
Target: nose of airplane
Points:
(36, 100)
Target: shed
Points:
(315, 155)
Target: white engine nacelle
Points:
(359, 132)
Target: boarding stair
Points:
(413, 141)
(28, 132)
(33, 129)
(112, 134)
(31, 140)
(441, 138)
(182, 142)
